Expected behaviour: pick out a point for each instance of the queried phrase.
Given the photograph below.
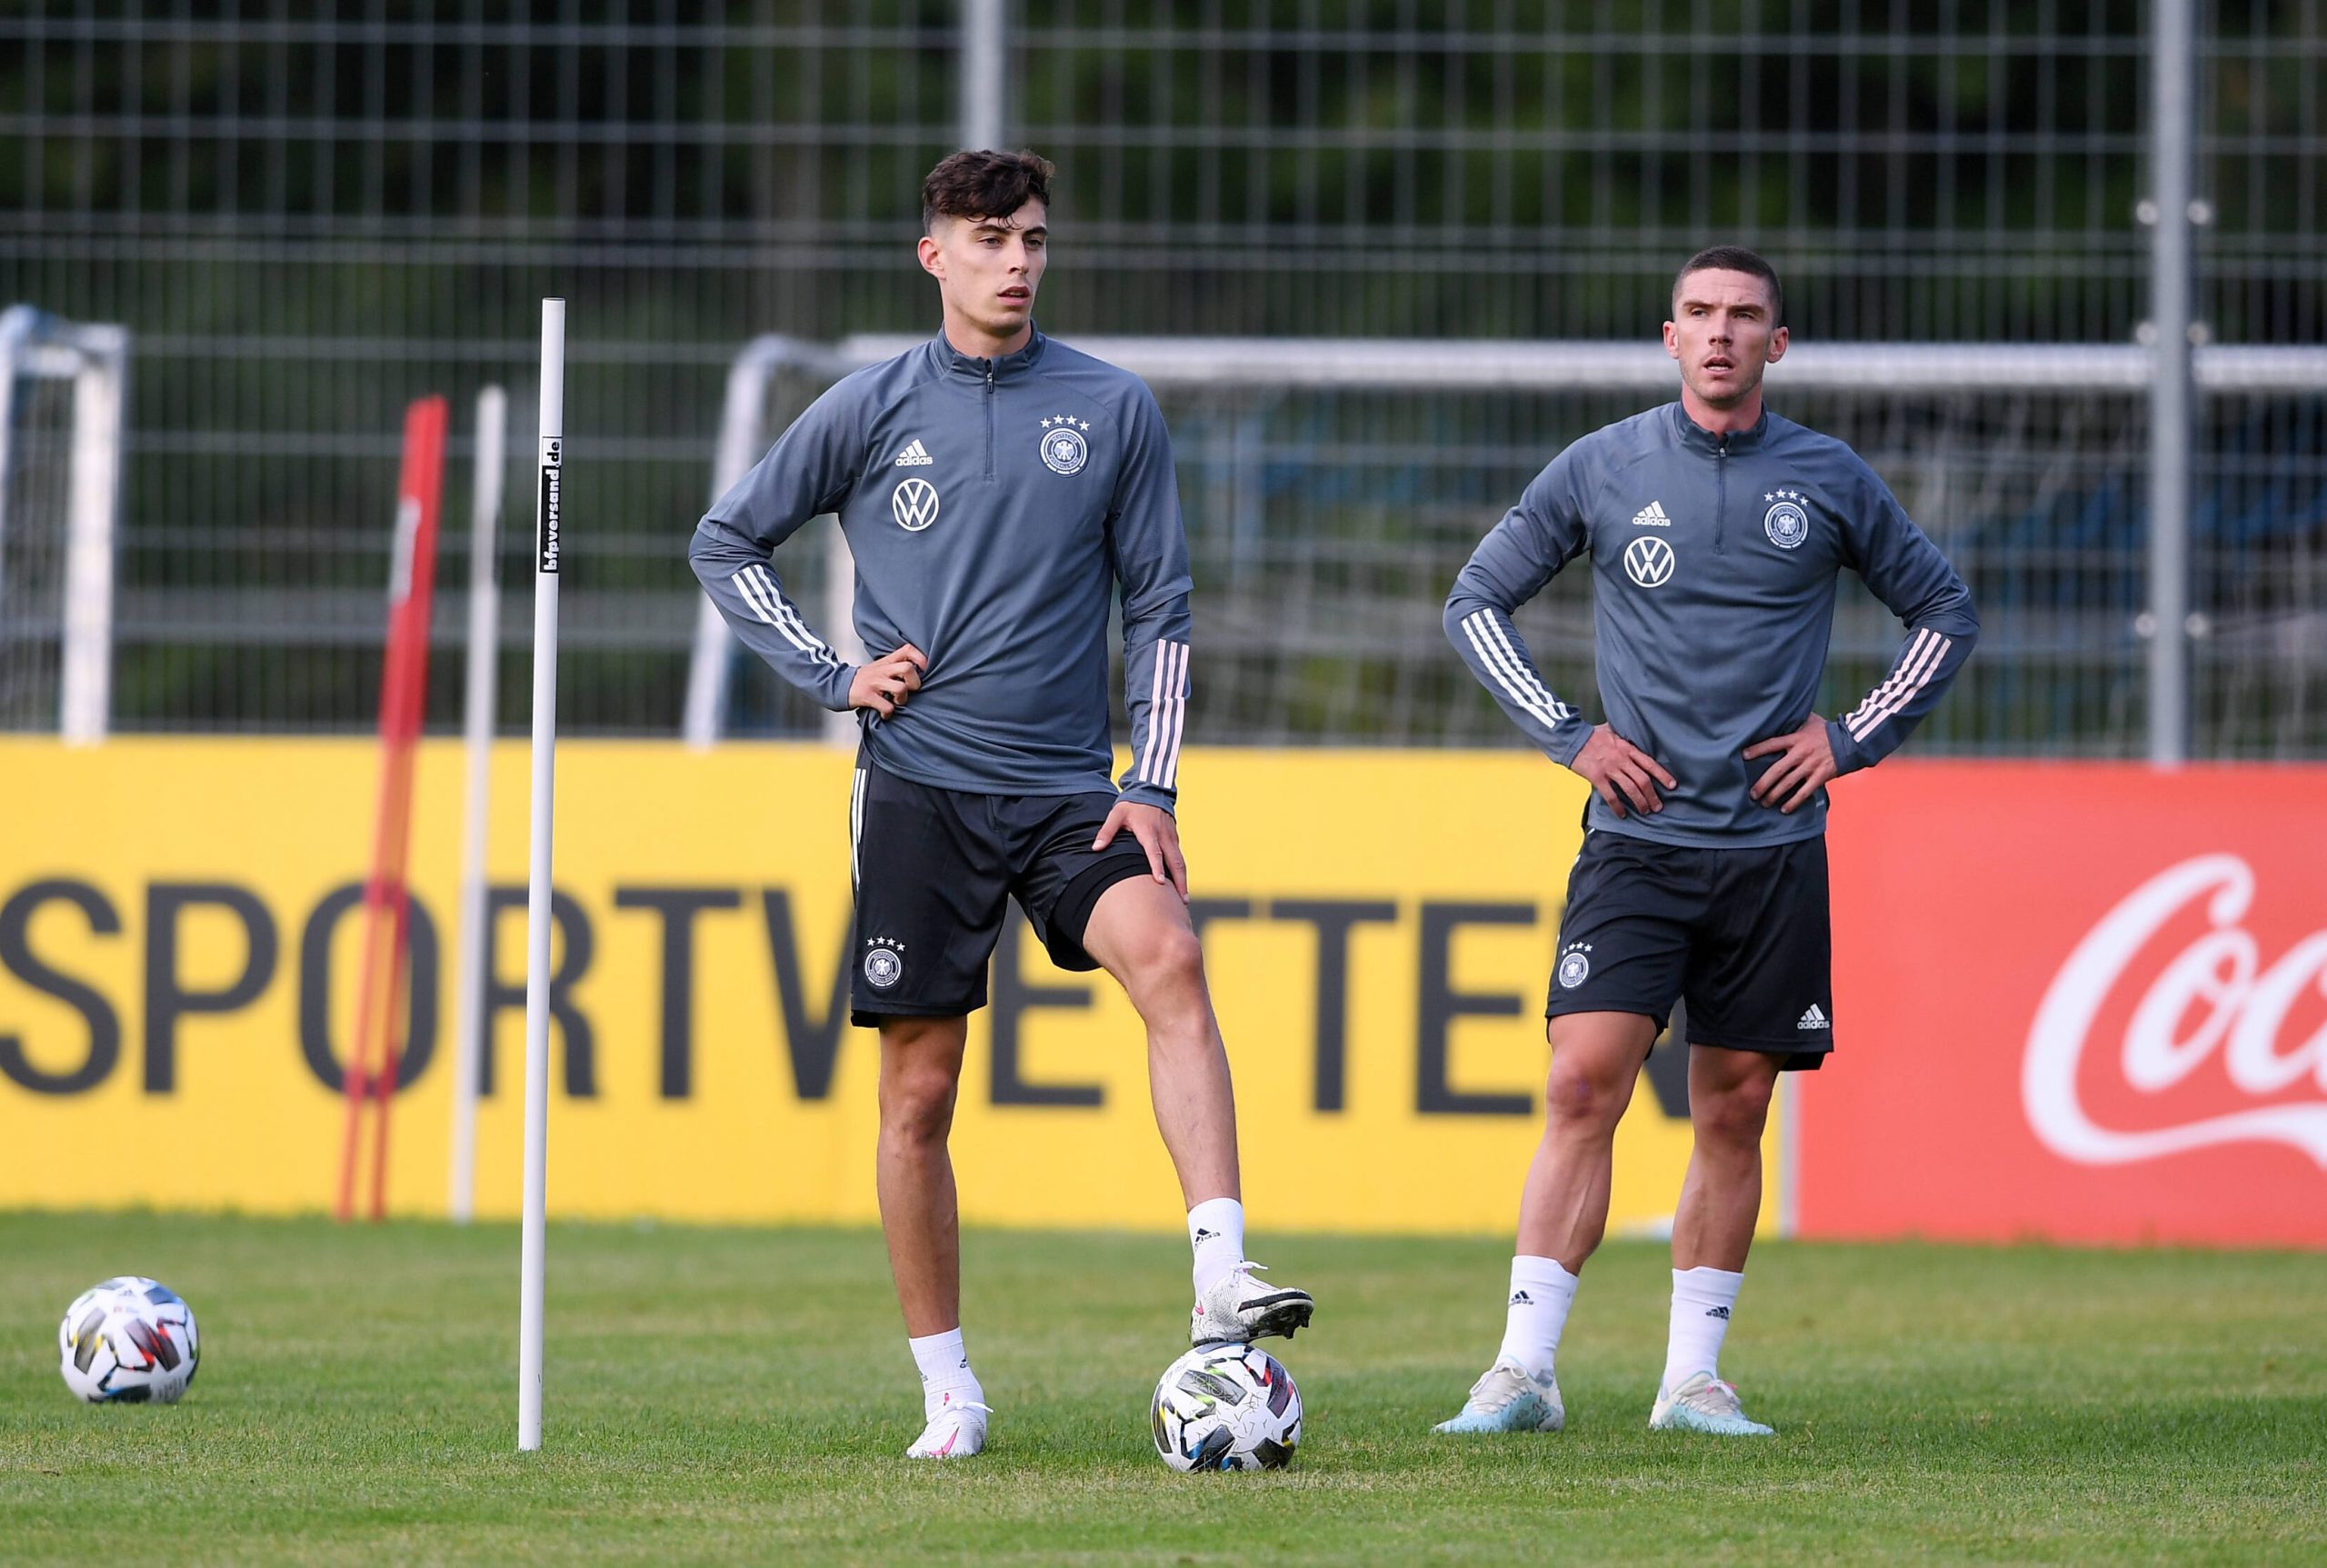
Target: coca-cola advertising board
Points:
(2075, 1001)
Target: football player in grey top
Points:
(1716, 531)
(997, 489)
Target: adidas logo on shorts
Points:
(915, 456)
(1813, 1019)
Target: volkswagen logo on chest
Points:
(914, 503)
(1649, 562)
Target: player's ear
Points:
(1672, 340)
(932, 254)
(1778, 340)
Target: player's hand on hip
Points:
(1805, 765)
(884, 684)
(1621, 772)
(1157, 834)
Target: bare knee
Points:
(1579, 1101)
(917, 1105)
(1595, 1061)
(1734, 1117)
(919, 1081)
(1164, 968)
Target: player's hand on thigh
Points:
(1621, 772)
(1157, 834)
(1805, 765)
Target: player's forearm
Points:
(1927, 664)
(751, 600)
(1157, 683)
(1482, 632)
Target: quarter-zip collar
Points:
(1002, 367)
(1697, 438)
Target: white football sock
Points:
(1216, 1231)
(944, 1371)
(1541, 1293)
(1702, 1300)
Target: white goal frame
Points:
(96, 359)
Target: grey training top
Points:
(1713, 565)
(992, 506)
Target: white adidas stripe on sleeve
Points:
(1915, 647)
(1510, 671)
(1167, 716)
(1918, 669)
(1501, 636)
(759, 590)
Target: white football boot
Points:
(956, 1432)
(1507, 1399)
(1240, 1309)
(1705, 1404)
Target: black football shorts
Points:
(1743, 935)
(934, 871)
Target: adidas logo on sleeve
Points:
(1652, 516)
(915, 456)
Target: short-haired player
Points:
(1715, 532)
(998, 490)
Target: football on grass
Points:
(128, 1340)
(1227, 1407)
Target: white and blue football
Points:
(128, 1340)
(1227, 1407)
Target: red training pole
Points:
(404, 695)
(388, 808)
(398, 1020)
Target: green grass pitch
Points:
(745, 1396)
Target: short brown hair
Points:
(1736, 258)
(981, 183)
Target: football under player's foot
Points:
(955, 1430)
(1240, 1309)
(1705, 1404)
(1508, 1399)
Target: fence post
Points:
(985, 72)
(2171, 210)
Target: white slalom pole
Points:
(533, 1250)
(485, 658)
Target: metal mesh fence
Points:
(308, 215)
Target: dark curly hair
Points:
(981, 183)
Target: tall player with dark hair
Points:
(996, 489)
(1715, 531)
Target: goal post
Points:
(63, 391)
(743, 435)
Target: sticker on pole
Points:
(546, 553)
(400, 558)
